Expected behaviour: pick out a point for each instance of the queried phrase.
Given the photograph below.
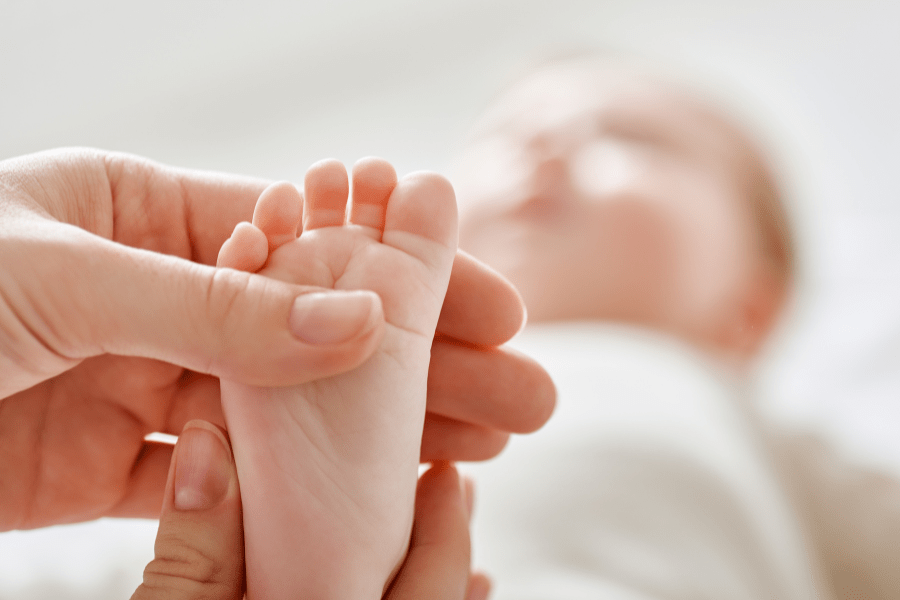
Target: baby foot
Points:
(328, 469)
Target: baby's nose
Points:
(551, 179)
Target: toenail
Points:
(333, 317)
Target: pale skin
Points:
(335, 460)
(602, 193)
(115, 325)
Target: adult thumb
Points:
(199, 552)
(97, 296)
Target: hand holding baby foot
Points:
(115, 325)
(102, 256)
(335, 460)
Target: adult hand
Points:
(199, 546)
(113, 325)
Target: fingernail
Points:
(202, 467)
(333, 317)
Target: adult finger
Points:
(197, 397)
(481, 307)
(200, 545)
(437, 565)
(449, 439)
(496, 388)
(77, 295)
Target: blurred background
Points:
(270, 89)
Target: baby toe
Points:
(326, 189)
(278, 213)
(421, 218)
(246, 249)
(373, 181)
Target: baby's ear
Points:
(754, 315)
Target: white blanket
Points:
(650, 481)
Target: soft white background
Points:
(268, 89)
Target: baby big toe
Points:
(421, 219)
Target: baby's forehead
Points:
(582, 101)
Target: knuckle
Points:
(38, 317)
(181, 571)
(225, 291)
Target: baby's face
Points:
(601, 196)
